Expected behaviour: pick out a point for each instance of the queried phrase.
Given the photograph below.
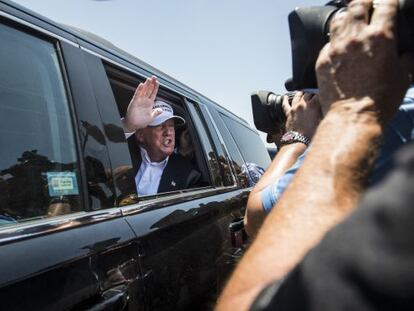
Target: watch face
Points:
(293, 137)
(289, 136)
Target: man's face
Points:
(158, 141)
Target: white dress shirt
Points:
(149, 174)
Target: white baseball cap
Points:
(166, 114)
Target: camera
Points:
(309, 32)
(267, 110)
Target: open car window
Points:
(185, 168)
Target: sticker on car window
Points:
(62, 183)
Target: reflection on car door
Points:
(182, 247)
(58, 270)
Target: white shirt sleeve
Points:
(127, 135)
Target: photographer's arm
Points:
(329, 184)
(305, 212)
(255, 213)
(303, 116)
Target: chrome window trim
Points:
(18, 231)
(172, 199)
(221, 141)
(37, 28)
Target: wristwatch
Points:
(291, 137)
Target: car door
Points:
(63, 245)
(183, 237)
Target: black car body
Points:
(74, 235)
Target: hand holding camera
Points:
(379, 87)
(303, 114)
(310, 29)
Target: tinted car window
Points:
(237, 162)
(249, 143)
(214, 167)
(39, 174)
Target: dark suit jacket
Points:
(179, 173)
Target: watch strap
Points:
(291, 137)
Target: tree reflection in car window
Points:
(39, 174)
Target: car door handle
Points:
(114, 299)
(237, 234)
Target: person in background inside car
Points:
(186, 146)
(157, 168)
(366, 261)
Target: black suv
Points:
(74, 234)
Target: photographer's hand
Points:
(303, 115)
(353, 73)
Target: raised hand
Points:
(140, 110)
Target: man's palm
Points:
(140, 112)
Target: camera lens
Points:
(267, 110)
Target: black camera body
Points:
(267, 110)
(309, 32)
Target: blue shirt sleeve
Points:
(272, 193)
(399, 133)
